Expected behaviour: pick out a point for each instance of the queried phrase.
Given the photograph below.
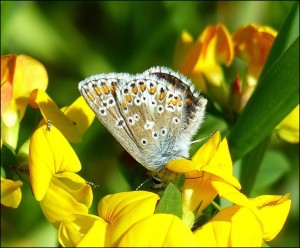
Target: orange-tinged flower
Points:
(19, 74)
(288, 129)
(52, 163)
(252, 43)
(6, 93)
(202, 60)
(72, 121)
(10, 193)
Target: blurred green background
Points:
(74, 40)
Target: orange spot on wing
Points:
(97, 90)
(124, 105)
(152, 90)
(128, 98)
(91, 96)
(105, 89)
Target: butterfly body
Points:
(153, 115)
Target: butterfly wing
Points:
(193, 104)
(153, 115)
(103, 94)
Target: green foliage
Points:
(170, 203)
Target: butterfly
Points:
(153, 115)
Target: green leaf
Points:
(251, 164)
(276, 95)
(273, 167)
(288, 33)
(170, 203)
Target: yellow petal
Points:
(49, 153)
(76, 186)
(221, 164)
(159, 230)
(233, 195)
(197, 193)
(201, 158)
(206, 152)
(61, 201)
(83, 231)
(81, 114)
(270, 206)
(181, 165)
(217, 49)
(233, 226)
(288, 129)
(222, 48)
(50, 111)
(10, 193)
(122, 210)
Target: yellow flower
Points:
(10, 193)
(288, 129)
(233, 226)
(19, 76)
(83, 231)
(117, 213)
(126, 219)
(52, 165)
(202, 60)
(72, 121)
(210, 163)
(247, 223)
(239, 226)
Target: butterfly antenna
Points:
(142, 184)
(199, 140)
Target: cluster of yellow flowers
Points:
(130, 218)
